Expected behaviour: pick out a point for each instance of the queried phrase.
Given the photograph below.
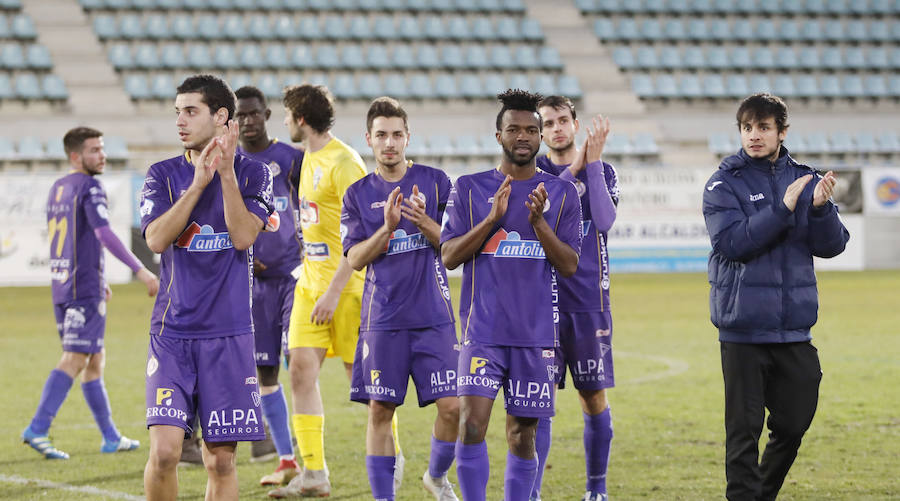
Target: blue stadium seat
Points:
(894, 61)
(642, 85)
(239, 79)
(874, 86)
(852, 86)
(283, 29)
(811, 31)
(6, 88)
(548, 57)
(740, 57)
(395, 86)
(467, 145)
(526, 57)
(440, 145)
(624, 58)
(494, 83)
(832, 58)
(369, 86)
(513, 6)
(489, 144)
(783, 86)
(837, 7)
(809, 58)
(146, 57)
(470, 86)
(344, 87)
(652, 6)
(5, 32)
(766, 30)
(309, 29)
(482, 29)
(673, 30)
(697, 29)
(763, 58)
(742, 29)
(645, 58)
(543, 84)
(830, 86)
(817, 142)
(156, 27)
(30, 148)
(182, 27)
(807, 86)
(54, 87)
(882, 7)
(383, 28)
(797, 143)
(618, 144)
(670, 57)
(55, 150)
(359, 28)
(334, 28)
(855, 58)
(258, 27)
(269, 85)
(302, 57)
(689, 86)
(770, 6)
(162, 86)
(605, 29)
(476, 57)
(327, 57)
(452, 57)
(889, 142)
(499, 56)
(136, 87)
(568, 86)
(865, 142)
(717, 57)
(276, 57)
(119, 55)
(842, 142)
(116, 147)
(352, 57)
(736, 85)
(518, 81)
(720, 29)
(445, 87)
(893, 85)
(408, 28)
(343, 5)
(251, 56)
(403, 57)
(105, 27)
(22, 27)
(721, 143)
(208, 28)
(310, 78)
(666, 86)
(458, 29)
(693, 57)
(856, 31)
(131, 27)
(786, 57)
(198, 56)
(714, 86)
(12, 57)
(627, 29)
(651, 30)
(224, 56)
(507, 29)
(433, 28)
(234, 28)
(644, 144)
(834, 30)
(531, 30)
(759, 83)
(377, 56)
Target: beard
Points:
(520, 161)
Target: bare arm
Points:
(243, 226)
(563, 257)
(460, 249)
(323, 311)
(363, 253)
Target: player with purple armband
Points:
(202, 211)
(78, 230)
(513, 228)
(389, 226)
(276, 256)
(585, 327)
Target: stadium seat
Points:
(283, 29)
(786, 57)
(157, 27)
(645, 58)
(783, 86)
(182, 27)
(377, 56)
(714, 86)
(494, 83)
(433, 28)
(720, 30)
(475, 57)
(309, 29)
(7, 150)
(344, 87)
(507, 29)
(689, 86)
(651, 30)
(369, 86)
(605, 30)
(759, 83)
(763, 58)
(146, 57)
(742, 29)
(721, 143)
(12, 57)
(467, 145)
(136, 87)
(765, 30)
(519, 81)
(302, 57)
(673, 30)
(116, 147)
(452, 57)
(352, 57)
(627, 29)
(543, 84)
(797, 144)
(842, 142)
(257, 27)
(877, 58)
(717, 57)
(531, 30)
(618, 144)
(327, 57)
(359, 28)
(276, 57)
(482, 29)
(239, 79)
(208, 28)
(856, 31)
(736, 85)
(809, 58)
(874, 86)
(119, 55)
(395, 86)
(697, 29)
(408, 28)
(693, 57)
(162, 86)
(817, 142)
(403, 57)
(334, 28)
(642, 85)
(548, 57)
(489, 144)
(865, 142)
(740, 57)
(251, 56)
(55, 150)
(788, 31)
(832, 58)
(644, 144)
(893, 85)
(130, 27)
(30, 148)
(198, 56)
(889, 142)
(878, 31)
(6, 88)
(670, 57)
(269, 85)
(445, 87)
(526, 57)
(811, 31)
(894, 58)
(624, 58)
(837, 7)
(834, 30)
(458, 29)
(22, 27)
(470, 86)
(806, 86)
(830, 86)
(500, 57)
(568, 85)
(666, 86)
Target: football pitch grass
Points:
(667, 405)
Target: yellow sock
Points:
(395, 426)
(309, 431)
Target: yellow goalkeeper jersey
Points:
(325, 176)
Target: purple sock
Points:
(473, 468)
(519, 477)
(274, 409)
(381, 476)
(598, 434)
(442, 454)
(55, 390)
(542, 441)
(97, 399)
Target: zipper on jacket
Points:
(784, 292)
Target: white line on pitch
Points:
(676, 367)
(45, 484)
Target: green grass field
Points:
(667, 406)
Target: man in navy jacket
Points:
(767, 216)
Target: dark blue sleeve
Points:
(827, 235)
(734, 234)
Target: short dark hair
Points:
(558, 103)
(386, 107)
(313, 103)
(520, 100)
(73, 141)
(761, 106)
(250, 92)
(215, 91)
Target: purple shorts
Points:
(273, 299)
(585, 348)
(214, 378)
(81, 325)
(527, 375)
(385, 360)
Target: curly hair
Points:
(313, 103)
(520, 100)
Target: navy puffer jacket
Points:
(762, 282)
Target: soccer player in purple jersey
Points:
(78, 230)
(585, 327)
(276, 255)
(407, 325)
(514, 228)
(202, 211)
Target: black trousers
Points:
(783, 378)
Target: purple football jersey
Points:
(280, 250)
(76, 207)
(205, 284)
(509, 289)
(588, 288)
(406, 287)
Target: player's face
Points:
(388, 139)
(251, 116)
(92, 158)
(293, 126)
(520, 136)
(559, 128)
(196, 125)
(761, 138)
